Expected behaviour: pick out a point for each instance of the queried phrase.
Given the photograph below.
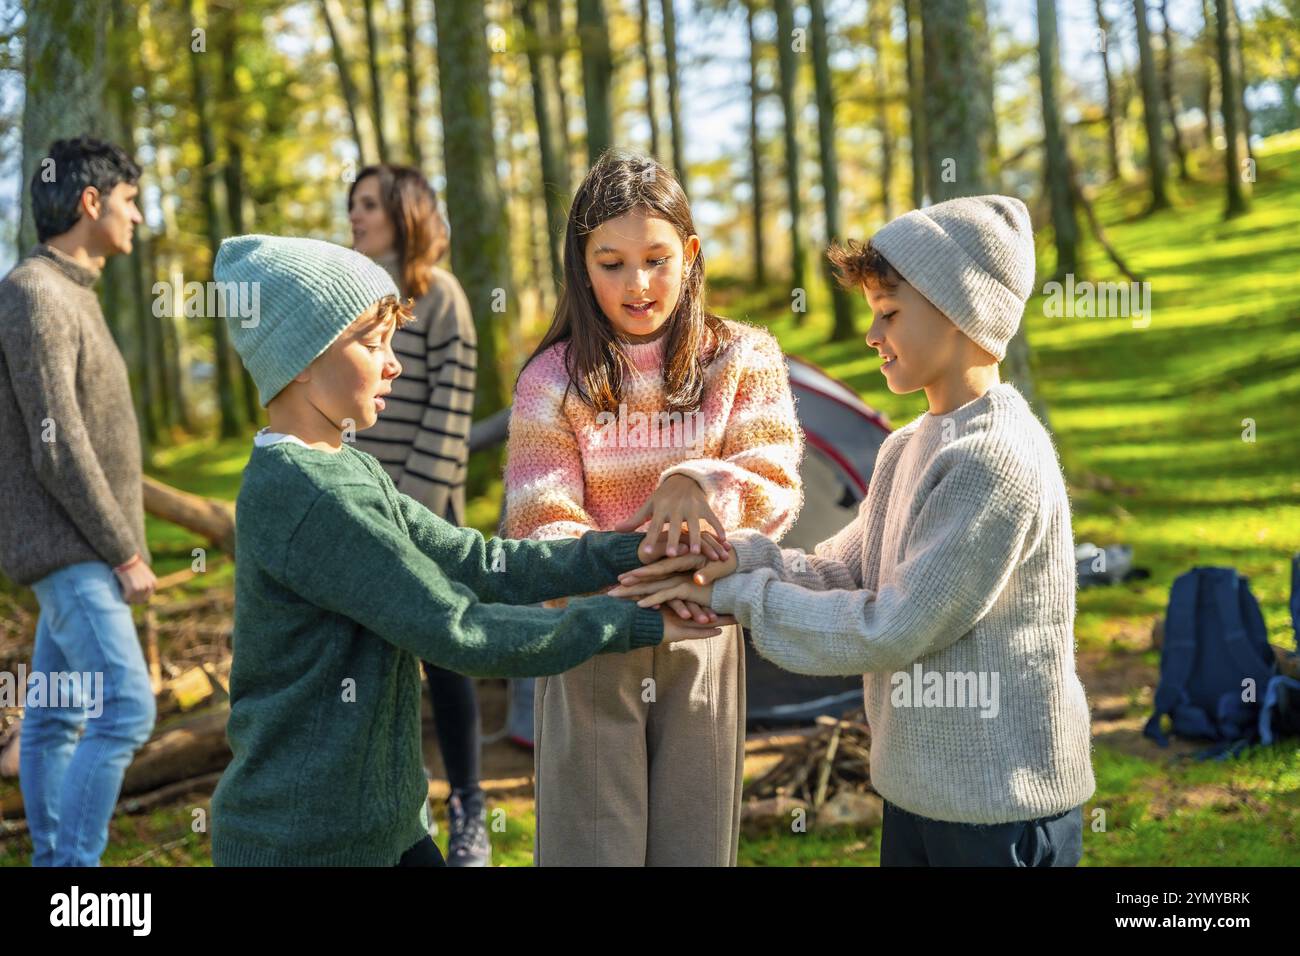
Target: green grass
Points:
(1148, 422)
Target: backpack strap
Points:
(1178, 653)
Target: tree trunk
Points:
(222, 359)
(984, 38)
(65, 48)
(1239, 56)
(597, 76)
(1112, 137)
(209, 517)
(1167, 88)
(755, 152)
(788, 71)
(234, 169)
(1230, 100)
(376, 88)
(1151, 111)
(554, 186)
(959, 119)
(413, 151)
(166, 267)
(841, 304)
(879, 11)
(480, 248)
(647, 59)
(960, 137)
(1065, 224)
(350, 97)
(558, 45)
(915, 95)
(674, 107)
(1208, 51)
(126, 273)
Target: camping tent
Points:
(842, 436)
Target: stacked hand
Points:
(678, 508)
(683, 583)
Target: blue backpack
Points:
(1214, 640)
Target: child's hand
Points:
(706, 571)
(666, 590)
(678, 499)
(675, 629)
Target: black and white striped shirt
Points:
(422, 436)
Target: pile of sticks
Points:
(834, 758)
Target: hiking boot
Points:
(468, 844)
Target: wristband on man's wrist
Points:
(129, 563)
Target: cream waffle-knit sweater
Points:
(953, 592)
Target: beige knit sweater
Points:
(953, 592)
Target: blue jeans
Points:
(70, 786)
(907, 839)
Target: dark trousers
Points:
(424, 853)
(910, 840)
(455, 718)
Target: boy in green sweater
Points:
(343, 584)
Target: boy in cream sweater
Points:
(953, 591)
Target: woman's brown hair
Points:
(419, 230)
(618, 183)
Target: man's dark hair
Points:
(78, 163)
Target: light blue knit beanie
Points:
(308, 292)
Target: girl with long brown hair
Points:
(640, 406)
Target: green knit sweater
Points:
(342, 586)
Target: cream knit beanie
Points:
(972, 258)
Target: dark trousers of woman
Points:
(455, 717)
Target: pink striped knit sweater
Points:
(571, 470)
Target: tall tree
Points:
(223, 361)
(1112, 117)
(755, 152)
(124, 284)
(1056, 165)
(480, 247)
(879, 26)
(1239, 58)
(1151, 110)
(65, 49)
(376, 88)
(349, 88)
(558, 46)
(959, 116)
(230, 105)
(785, 38)
(1167, 89)
(647, 60)
(915, 94)
(674, 106)
(841, 304)
(597, 75)
(413, 150)
(1229, 100)
(1209, 48)
(554, 183)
